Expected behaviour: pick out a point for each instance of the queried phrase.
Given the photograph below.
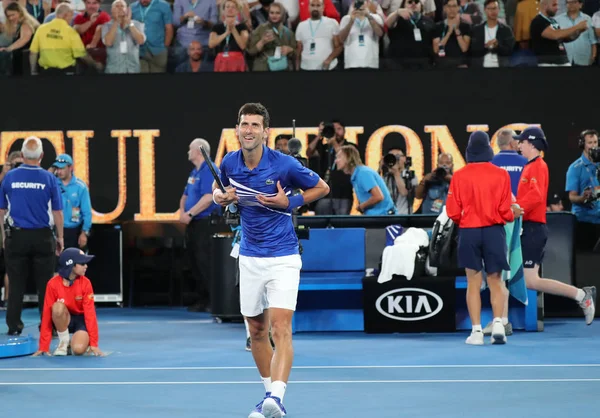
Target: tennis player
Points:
(259, 181)
(69, 304)
(479, 202)
(531, 196)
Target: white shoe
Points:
(498, 333)
(62, 349)
(476, 338)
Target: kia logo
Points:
(409, 304)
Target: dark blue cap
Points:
(479, 149)
(68, 258)
(535, 136)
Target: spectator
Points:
(58, 46)
(400, 181)
(122, 38)
(493, 42)
(229, 40)
(261, 14)
(501, 11)
(428, 7)
(318, 44)
(581, 52)
(547, 38)
(470, 12)
(157, 18)
(596, 23)
(194, 22)
(38, 9)
(85, 23)
(411, 37)
(433, 189)
(281, 144)
(49, 18)
(371, 192)
(451, 39)
(329, 10)
(194, 62)
(20, 26)
(527, 10)
(272, 44)
(360, 33)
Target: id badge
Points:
(75, 215)
(437, 205)
(277, 53)
(225, 53)
(190, 24)
(312, 48)
(441, 52)
(123, 47)
(361, 40)
(417, 33)
(561, 47)
(235, 251)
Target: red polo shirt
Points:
(88, 36)
(533, 190)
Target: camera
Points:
(328, 131)
(358, 4)
(594, 155)
(390, 160)
(440, 173)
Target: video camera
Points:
(594, 155)
(390, 160)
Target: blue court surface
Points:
(171, 363)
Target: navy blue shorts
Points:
(77, 324)
(533, 243)
(479, 246)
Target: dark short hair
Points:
(448, 1)
(255, 109)
(485, 4)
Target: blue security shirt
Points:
(77, 207)
(200, 183)
(30, 193)
(363, 180)
(580, 175)
(266, 232)
(512, 162)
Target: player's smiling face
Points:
(251, 132)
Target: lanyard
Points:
(314, 32)
(36, 9)
(553, 22)
(414, 22)
(144, 11)
(361, 24)
(193, 5)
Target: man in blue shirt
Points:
(157, 18)
(31, 197)
(195, 207)
(433, 188)
(259, 181)
(509, 159)
(584, 189)
(77, 207)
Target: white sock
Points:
(580, 295)
(504, 321)
(267, 382)
(247, 328)
(278, 389)
(63, 336)
(477, 328)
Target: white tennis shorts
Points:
(269, 282)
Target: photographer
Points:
(584, 190)
(433, 189)
(400, 180)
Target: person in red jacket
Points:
(69, 304)
(531, 196)
(480, 203)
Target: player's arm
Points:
(229, 197)
(453, 203)
(46, 325)
(91, 321)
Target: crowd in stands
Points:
(156, 36)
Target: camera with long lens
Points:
(328, 131)
(440, 173)
(358, 4)
(594, 155)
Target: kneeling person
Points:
(69, 305)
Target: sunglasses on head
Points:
(413, 1)
(62, 160)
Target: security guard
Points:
(29, 242)
(196, 206)
(77, 208)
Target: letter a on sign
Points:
(423, 303)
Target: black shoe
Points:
(13, 332)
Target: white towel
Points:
(400, 258)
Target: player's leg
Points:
(80, 342)
(533, 242)
(253, 304)
(282, 295)
(61, 318)
(470, 258)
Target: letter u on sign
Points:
(409, 304)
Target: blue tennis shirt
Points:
(512, 162)
(266, 232)
(30, 193)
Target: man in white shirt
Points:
(360, 33)
(317, 40)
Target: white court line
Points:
(297, 382)
(179, 321)
(431, 366)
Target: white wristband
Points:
(215, 193)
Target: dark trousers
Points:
(198, 238)
(28, 252)
(72, 237)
